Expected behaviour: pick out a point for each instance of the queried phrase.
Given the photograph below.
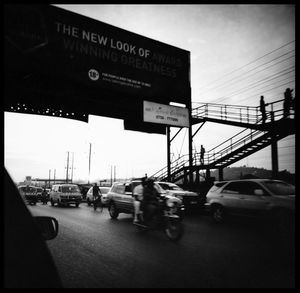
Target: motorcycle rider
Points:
(96, 193)
(150, 199)
(44, 196)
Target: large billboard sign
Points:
(69, 46)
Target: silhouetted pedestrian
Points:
(202, 152)
(287, 104)
(262, 107)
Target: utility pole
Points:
(72, 166)
(114, 173)
(49, 176)
(90, 162)
(67, 168)
(111, 175)
(54, 175)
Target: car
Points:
(189, 198)
(65, 194)
(28, 193)
(120, 197)
(273, 199)
(104, 190)
(28, 262)
(84, 188)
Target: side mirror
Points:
(258, 192)
(48, 226)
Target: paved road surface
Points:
(93, 251)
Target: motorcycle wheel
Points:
(174, 229)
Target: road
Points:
(94, 251)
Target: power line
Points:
(233, 79)
(252, 88)
(284, 84)
(252, 62)
(262, 81)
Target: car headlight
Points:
(179, 196)
(173, 201)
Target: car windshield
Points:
(159, 188)
(104, 190)
(280, 188)
(70, 189)
(28, 189)
(170, 186)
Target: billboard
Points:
(72, 48)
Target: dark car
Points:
(28, 193)
(84, 188)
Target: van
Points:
(65, 194)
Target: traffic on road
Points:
(93, 250)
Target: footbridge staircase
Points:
(256, 135)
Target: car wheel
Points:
(77, 205)
(113, 211)
(218, 214)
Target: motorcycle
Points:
(44, 199)
(165, 215)
(97, 203)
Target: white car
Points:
(104, 190)
(251, 197)
(189, 198)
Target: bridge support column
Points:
(190, 145)
(197, 179)
(207, 174)
(185, 181)
(274, 151)
(169, 153)
(221, 174)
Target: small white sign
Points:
(165, 114)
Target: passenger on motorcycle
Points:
(150, 201)
(138, 197)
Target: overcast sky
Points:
(225, 41)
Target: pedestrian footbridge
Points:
(255, 136)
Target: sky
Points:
(238, 53)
